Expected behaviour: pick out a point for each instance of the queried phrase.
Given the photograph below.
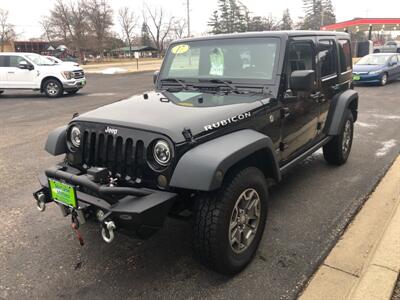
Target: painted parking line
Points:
(386, 146)
(100, 94)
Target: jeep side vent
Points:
(120, 155)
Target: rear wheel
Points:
(384, 79)
(53, 88)
(1, 92)
(337, 151)
(229, 224)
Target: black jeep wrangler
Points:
(229, 113)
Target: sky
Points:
(26, 14)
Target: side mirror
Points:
(155, 76)
(392, 63)
(25, 65)
(303, 80)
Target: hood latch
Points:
(187, 134)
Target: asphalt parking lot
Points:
(40, 257)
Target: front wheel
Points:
(228, 224)
(384, 79)
(337, 151)
(53, 88)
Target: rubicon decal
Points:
(227, 121)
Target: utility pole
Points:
(188, 16)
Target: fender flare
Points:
(340, 103)
(203, 168)
(56, 143)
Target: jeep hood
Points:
(158, 114)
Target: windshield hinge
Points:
(187, 134)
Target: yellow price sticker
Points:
(180, 49)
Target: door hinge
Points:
(285, 112)
(319, 126)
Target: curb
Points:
(365, 262)
(380, 276)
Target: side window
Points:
(394, 59)
(4, 61)
(15, 60)
(300, 57)
(345, 55)
(327, 58)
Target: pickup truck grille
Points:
(79, 74)
(121, 155)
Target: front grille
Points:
(79, 74)
(122, 156)
(360, 73)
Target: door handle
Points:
(316, 96)
(11, 72)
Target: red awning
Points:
(386, 24)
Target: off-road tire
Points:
(384, 79)
(212, 220)
(1, 92)
(53, 88)
(334, 152)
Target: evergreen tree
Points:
(215, 24)
(145, 36)
(317, 14)
(231, 16)
(286, 22)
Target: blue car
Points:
(377, 68)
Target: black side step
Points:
(285, 168)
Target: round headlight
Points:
(75, 137)
(162, 153)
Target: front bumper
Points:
(375, 78)
(74, 84)
(136, 212)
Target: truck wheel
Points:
(384, 79)
(338, 149)
(228, 224)
(53, 88)
(1, 92)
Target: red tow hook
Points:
(78, 234)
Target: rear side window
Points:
(15, 60)
(4, 61)
(394, 59)
(345, 55)
(327, 58)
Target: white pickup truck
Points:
(30, 71)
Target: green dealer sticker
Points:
(62, 193)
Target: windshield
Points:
(237, 60)
(373, 60)
(39, 60)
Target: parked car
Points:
(59, 61)
(228, 112)
(377, 68)
(30, 71)
(388, 47)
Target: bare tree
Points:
(128, 21)
(68, 22)
(160, 28)
(7, 32)
(179, 28)
(100, 17)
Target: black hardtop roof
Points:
(286, 34)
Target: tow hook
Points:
(75, 227)
(107, 231)
(41, 201)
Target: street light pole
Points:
(188, 16)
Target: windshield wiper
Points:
(226, 83)
(180, 81)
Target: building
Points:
(26, 46)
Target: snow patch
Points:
(386, 146)
(365, 125)
(387, 117)
(111, 71)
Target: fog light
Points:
(162, 181)
(100, 215)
